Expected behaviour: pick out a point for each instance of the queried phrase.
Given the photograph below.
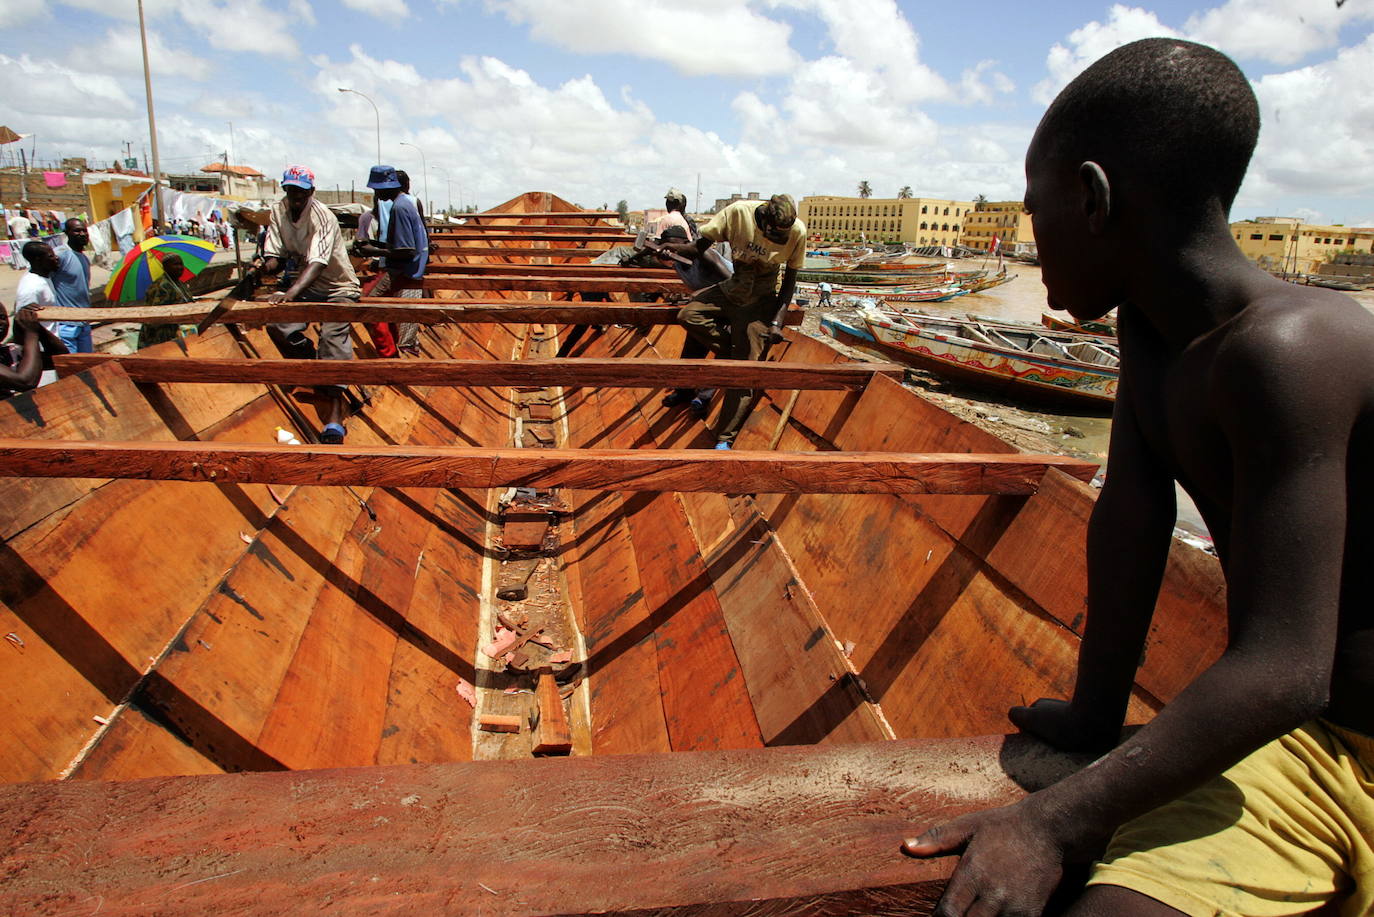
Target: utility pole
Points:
(231, 143)
(377, 111)
(152, 124)
(23, 176)
(698, 207)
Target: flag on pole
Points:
(996, 244)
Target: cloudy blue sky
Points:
(599, 100)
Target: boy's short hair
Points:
(1177, 114)
(33, 250)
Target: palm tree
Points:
(865, 190)
(981, 199)
(905, 193)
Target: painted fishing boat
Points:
(1016, 361)
(524, 645)
(1103, 327)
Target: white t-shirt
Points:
(36, 290)
(19, 227)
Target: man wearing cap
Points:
(399, 238)
(735, 318)
(303, 228)
(675, 203)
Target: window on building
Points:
(944, 228)
(1257, 237)
(956, 227)
(924, 209)
(1276, 238)
(923, 225)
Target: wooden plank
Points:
(545, 214)
(550, 270)
(425, 312)
(626, 373)
(611, 469)
(587, 283)
(519, 229)
(499, 234)
(383, 839)
(554, 736)
(510, 251)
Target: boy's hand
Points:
(1057, 723)
(27, 319)
(1010, 862)
(682, 249)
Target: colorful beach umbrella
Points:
(143, 265)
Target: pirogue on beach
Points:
(248, 676)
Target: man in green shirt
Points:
(734, 318)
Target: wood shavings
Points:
(561, 658)
(245, 538)
(15, 639)
(467, 692)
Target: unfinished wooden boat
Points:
(1017, 361)
(246, 676)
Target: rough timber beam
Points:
(656, 470)
(600, 271)
(583, 284)
(606, 373)
(511, 251)
(521, 228)
(395, 309)
(545, 215)
(764, 832)
(501, 235)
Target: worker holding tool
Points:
(737, 318)
(303, 227)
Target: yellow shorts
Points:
(1282, 832)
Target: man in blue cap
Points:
(303, 228)
(399, 239)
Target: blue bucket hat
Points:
(383, 177)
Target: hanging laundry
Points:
(55, 179)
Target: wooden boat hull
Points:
(187, 631)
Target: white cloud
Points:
(14, 14)
(121, 52)
(705, 37)
(1279, 31)
(1124, 24)
(1318, 128)
(981, 84)
(230, 25)
(382, 9)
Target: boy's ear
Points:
(1097, 196)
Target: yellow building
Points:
(916, 220)
(1289, 245)
(1005, 220)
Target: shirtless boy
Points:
(1252, 792)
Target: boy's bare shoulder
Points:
(1294, 343)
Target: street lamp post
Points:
(429, 202)
(444, 172)
(378, 112)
